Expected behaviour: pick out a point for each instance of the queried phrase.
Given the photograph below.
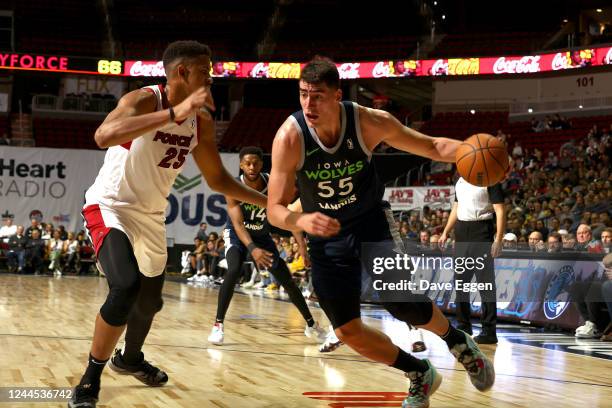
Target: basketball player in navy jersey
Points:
(248, 232)
(344, 208)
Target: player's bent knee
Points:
(119, 304)
(350, 332)
(150, 306)
(415, 313)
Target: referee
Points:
(480, 219)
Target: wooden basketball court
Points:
(46, 326)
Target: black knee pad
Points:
(119, 303)
(149, 306)
(417, 313)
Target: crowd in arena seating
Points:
(206, 262)
(42, 249)
(566, 195)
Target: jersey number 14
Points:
(260, 214)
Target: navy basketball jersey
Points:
(340, 181)
(255, 217)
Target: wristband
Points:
(251, 247)
(171, 114)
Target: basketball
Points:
(482, 160)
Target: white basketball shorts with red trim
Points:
(146, 232)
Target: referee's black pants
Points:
(473, 239)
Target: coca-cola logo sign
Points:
(349, 70)
(440, 67)
(608, 58)
(145, 68)
(381, 70)
(572, 59)
(529, 63)
(560, 61)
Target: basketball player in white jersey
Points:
(149, 135)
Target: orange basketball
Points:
(482, 160)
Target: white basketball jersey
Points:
(139, 174)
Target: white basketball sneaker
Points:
(588, 331)
(315, 332)
(216, 335)
(331, 342)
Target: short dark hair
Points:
(251, 150)
(183, 49)
(321, 70)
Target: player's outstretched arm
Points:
(286, 153)
(136, 114)
(218, 178)
(377, 122)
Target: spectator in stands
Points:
(47, 232)
(569, 242)
(567, 224)
(509, 242)
(429, 181)
(553, 224)
(34, 225)
(424, 238)
(213, 236)
(298, 263)
(202, 236)
(7, 230)
(279, 246)
(554, 242)
(536, 242)
(433, 242)
(217, 269)
(63, 232)
(585, 241)
(16, 256)
(541, 228)
(413, 220)
(537, 125)
(606, 240)
(211, 257)
(71, 252)
(4, 140)
(55, 251)
(579, 206)
(606, 291)
(551, 161)
(517, 150)
(404, 231)
(36, 252)
(197, 260)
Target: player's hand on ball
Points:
(262, 258)
(200, 101)
(319, 224)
